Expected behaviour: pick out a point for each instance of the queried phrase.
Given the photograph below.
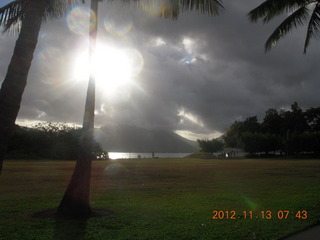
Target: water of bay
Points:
(128, 155)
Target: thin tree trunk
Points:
(16, 78)
(75, 202)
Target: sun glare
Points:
(114, 68)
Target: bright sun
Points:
(113, 68)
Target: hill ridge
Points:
(126, 138)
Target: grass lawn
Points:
(164, 199)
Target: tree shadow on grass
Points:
(67, 228)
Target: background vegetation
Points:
(291, 132)
(47, 140)
(210, 146)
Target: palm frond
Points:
(13, 23)
(10, 13)
(293, 21)
(272, 8)
(58, 8)
(172, 8)
(211, 7)
(313, 26)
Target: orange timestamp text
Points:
(266, 214)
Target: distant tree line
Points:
(210, 146)
(291, 132)
(48, 140)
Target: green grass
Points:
(162, 199)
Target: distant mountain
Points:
(124, 138)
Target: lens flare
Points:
(135, 60)
(114, 168)
(164, 8)
(78, 20)
(118, 24)
(152, 7)
(250, 203)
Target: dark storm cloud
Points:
(200, 73)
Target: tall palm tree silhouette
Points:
(75, 201)
(27, 16)
(298, 12)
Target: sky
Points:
(195, 75)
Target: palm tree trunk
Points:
(16, 78)
(75, 202)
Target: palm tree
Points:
(299, 12)
(26, 16)
(75, 201)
